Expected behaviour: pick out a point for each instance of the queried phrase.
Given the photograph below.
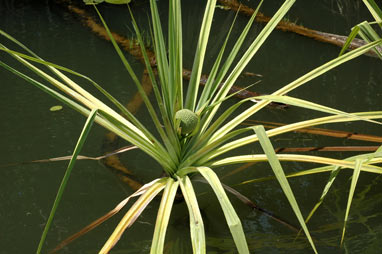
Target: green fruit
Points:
(188, 120)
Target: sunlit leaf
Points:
(356, 172)
(198, 238)
(280, 175)
(231, 217)
(133, 214)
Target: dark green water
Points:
(29, 131)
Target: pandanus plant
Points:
(193, 137)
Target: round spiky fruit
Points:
(188, 121)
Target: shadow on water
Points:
(30, 131)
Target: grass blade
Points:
(280, 175)
(231, 217)
(77, 149)
(164, 216)
(198, 238)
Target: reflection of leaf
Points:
(56, 108)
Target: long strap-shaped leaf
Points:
(198, 238)
(82, 96)
(172, 144)
(374, 10)
(335, 171)
(356, 173)
(138, 84)
(213, 82)
(38, 59)
(354, 181)
(280, 175)
(287, 128)
(251, 51)
(77, 149)
(161, 57)
(163, 216)
(369, 34)
(121, 107)
(75, 90)
(79, 93)
(281, 99)
(113, 125)
(319, 170)
(72, 104)
(193, 86)
(175, 55)
(293, 85)
(298, 158)
(103, 218)
(133, 214)
(309, 105)
(332, 178)
(209, 87)
(231, 217)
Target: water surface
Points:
(29, 131)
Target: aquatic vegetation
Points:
(194, 136)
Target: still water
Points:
(30, 131)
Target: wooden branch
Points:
(284, 25)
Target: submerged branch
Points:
(284, 25)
